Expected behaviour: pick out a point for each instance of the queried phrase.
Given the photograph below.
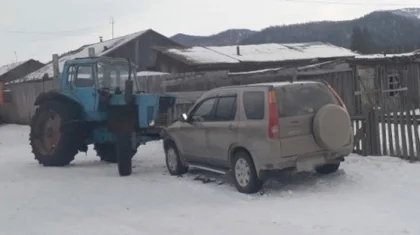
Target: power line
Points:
(52, 33)
(351, 3)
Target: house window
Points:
(393, 84)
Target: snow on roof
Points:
(257, 71)
(283, 52)
(101, 49)
(202, 55)
(272, 52)
(387, 56)
(6, 68)
(150, 73)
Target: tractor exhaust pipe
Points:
(129, 85)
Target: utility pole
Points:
(16, 57)
(112, 25)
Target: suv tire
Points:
(244, 173)
(173, 162)
(327, 168)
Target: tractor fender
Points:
(56, 96)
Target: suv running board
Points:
(207, 168)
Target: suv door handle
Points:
(231, 127)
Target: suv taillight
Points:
(273, 118)
(337, 97)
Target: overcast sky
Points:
(38, 28)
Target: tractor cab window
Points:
(113, 75)
(81, 76)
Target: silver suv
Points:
(252, 130)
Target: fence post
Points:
(373, 140)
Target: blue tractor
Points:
(96, 104)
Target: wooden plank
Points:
(396, 134)
(416, 133)
(384, 149)
(410, 134)
(404, 150)
(362, 137)
(366, 142)
(381, 112)
(358, 136)
(389, 127)
(374, 142)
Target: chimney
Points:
(101, 39)
(238, 52)
(91, 52)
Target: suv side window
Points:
(225, 109)
(204, 111)
(254, 104)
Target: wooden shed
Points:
(17, 70)
(391, 80)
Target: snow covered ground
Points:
(368, 196)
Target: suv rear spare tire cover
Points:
(332, 127)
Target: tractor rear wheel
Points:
(125, 152)
(54, 141)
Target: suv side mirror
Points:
(183, 117)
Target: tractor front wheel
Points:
(54, 142)
(125, 152)
(108, 152)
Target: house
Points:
(246, 57)
(388, 80)
(137, 47)
(17, 70)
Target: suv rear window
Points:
(302, 99)
(254, 104)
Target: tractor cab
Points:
(100, 73)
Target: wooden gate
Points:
(388, 127)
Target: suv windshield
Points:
(113, 75)
(302, 98)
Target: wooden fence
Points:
(21, 107)
(384, 133)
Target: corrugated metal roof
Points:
(272, 52)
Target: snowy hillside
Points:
(228, 37)
(374, 195)
(389, 30)
(409, 12)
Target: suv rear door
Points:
(297, 105)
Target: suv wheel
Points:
(173, 162)
(327, 168)
(244, 173)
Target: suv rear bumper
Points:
(305, 162)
